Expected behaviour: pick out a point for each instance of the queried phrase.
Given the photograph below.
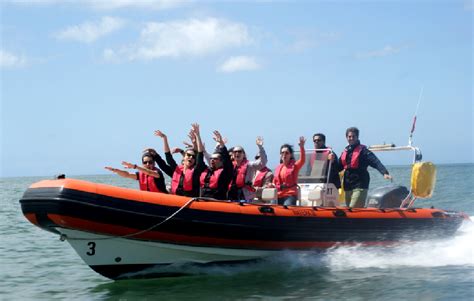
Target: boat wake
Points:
(456, 251)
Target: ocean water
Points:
(36, 265)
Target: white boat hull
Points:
(115, 254)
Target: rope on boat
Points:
(64, 236)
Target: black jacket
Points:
(334, 173)
(170, 166)
(220, 192)
(359, 177)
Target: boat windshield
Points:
(315, 168)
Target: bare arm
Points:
(302, 158)
(147, 171)
(192, 137)
(197, 137)
(218, 138)
(122, 173)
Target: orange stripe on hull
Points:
(231, 207)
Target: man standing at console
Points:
(354, 160)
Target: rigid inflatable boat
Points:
(126, 233)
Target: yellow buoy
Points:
(423, 179)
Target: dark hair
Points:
(147, 155)
(320, 135)
(290, 149)
(354, 130)
(189, 149)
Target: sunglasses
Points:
(285, 152)
(215, 158)
(148, 162)
(317, 140)
(238, 151)
(191, 155)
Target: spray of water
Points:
(457, 250)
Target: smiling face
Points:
(318, 142)
(148, 162)
(215, 162)
(352, 138)
(238, 153)
(285, 154)
(189, 159)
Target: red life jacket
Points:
(289, 178)
(213, 179)
(354, 159)
(147, 183)
(258, 181)
(241, 173)
(187, 182)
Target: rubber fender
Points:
(423, 179)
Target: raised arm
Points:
(227, 163)
(192, 136)
(206, 155)
(167, 168)
(262, 160)
(218, 138)
(169, 158)
(197, 137)
(166, 145)
(302, 158)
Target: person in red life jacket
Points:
(286, 174)
(263, 178)
(354, 160)
(216, 178)
(148, 176)
(240, 187)
(322, 152)
(185, 177)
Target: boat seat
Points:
(269, 194)
(314, 195)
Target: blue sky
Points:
(84, 84)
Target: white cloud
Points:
(192, 37)
(239, 63)
(387, 50)
(91, 31)
(10, 60)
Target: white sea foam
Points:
(458, 250)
